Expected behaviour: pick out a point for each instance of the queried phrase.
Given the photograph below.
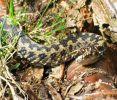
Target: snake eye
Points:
(100, 48)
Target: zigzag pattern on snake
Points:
(86, 47)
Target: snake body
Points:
(85, 47)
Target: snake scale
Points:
(85, 47)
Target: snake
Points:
(84, 47)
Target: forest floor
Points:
(48, 21)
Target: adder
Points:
(85, 47)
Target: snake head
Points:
(92, 53)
